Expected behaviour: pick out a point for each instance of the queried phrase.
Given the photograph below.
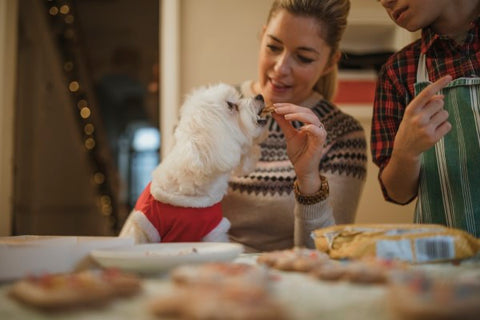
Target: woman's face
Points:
(292, 58)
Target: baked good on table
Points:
(71, 290)
(418, 296)
(222, 302)
(366, 271)
(216, 272)
(219, 291)
(295, 259)
(319, 265)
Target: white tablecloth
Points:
(304, 297)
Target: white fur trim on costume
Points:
(140, 228)
(220, 233)
(215, 193)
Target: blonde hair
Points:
(331, 15)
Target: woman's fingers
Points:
(293, 112)
(288, 130)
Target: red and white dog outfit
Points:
(162, 222)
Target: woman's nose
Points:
(282, 64)
(387, 3)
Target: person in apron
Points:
(426, 135)
(449, 185)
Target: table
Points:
(304, 297)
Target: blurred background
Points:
(90, 89)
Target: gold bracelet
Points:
(318, 196)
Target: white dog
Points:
(218, 133)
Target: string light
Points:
(62, 18)
(85, 112)
(90, 143)
(68, 66)
(89, 129)
(69, 19)
(53, 11)
(82, 103)
(64, 9)
(74, 86)
(98, 178)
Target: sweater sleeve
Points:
(345, 193)
(345, 167)
(309, 218)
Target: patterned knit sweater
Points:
(261, 206)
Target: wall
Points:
(219, 42)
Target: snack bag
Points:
(414, 243)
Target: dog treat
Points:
(62, 291)
(219, 291)
(295, 259)
(415, 243)
(417, 296)
(267, 110)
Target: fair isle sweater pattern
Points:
(345, 154)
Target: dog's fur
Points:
(218, 133)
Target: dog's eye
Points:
(232, 106)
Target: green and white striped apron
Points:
(449, 189)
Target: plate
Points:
(158, 257)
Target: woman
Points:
(310, 140)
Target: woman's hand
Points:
(304, 145)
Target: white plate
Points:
(158, 257)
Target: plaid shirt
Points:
(395, 85)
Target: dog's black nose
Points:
(259, 97)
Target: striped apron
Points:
(449, 187)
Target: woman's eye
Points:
(273, 48)
(305, 59)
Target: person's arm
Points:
(424, 123)
(304, 145)
(304, 148)
(309, 218)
